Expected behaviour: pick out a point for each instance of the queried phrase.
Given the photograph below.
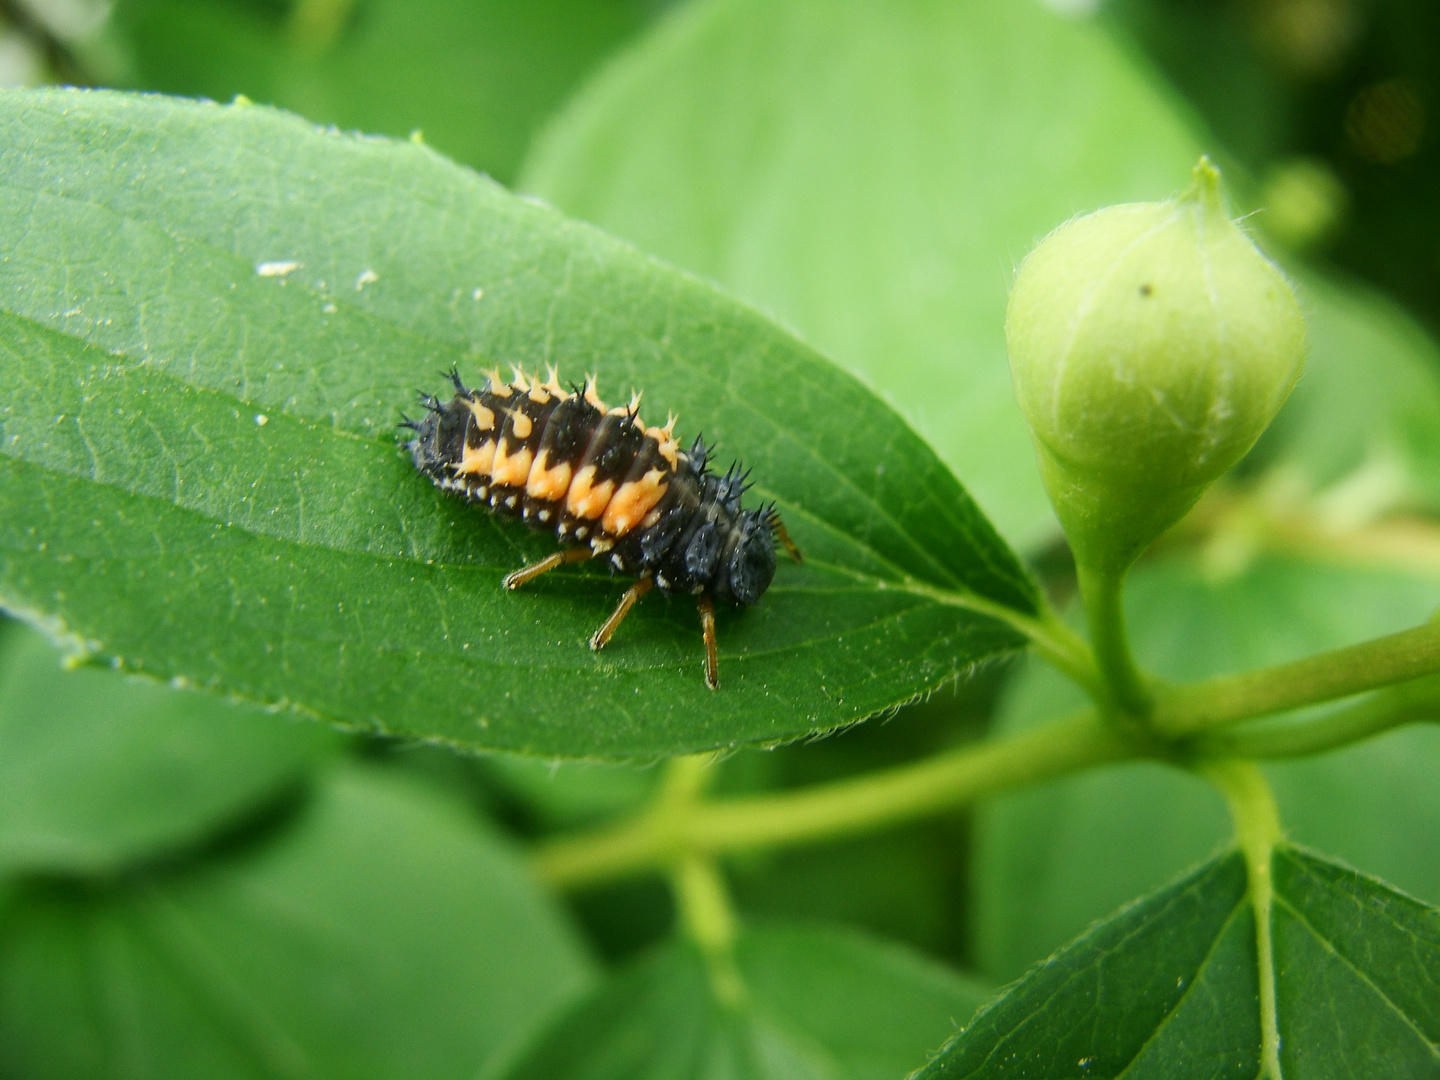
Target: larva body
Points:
(598, 478)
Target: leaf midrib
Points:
(475, 568)
(961, 597)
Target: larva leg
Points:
(635, 592)
(785, 541)
(545, 565)
(707, 627)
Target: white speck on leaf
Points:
(330, 309)
(477, 294)
(367, 277)
(261, 419)
(279, 268)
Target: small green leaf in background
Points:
(476, 75)
(1049, 861)
(98, 770)
(872, 174)
(823, 1004)
(1369, 398)
(1168, 987)
(211, 319)
(384, 934)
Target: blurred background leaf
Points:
(476, 76)
(98, 770)
(380, 933)
(821, 1003)
(872, 175)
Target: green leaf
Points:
(476, 75)
(199, 476)
(1369, 397)
(97, 770)
(872, 174)
(1168, 987)
(384, 934)
(821, 1004)
(1051, 860)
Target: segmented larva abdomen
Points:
(561, 459)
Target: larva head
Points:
(439, 437)
(748, 565)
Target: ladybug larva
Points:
(606, 485)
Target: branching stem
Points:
(1407, 703)
(1339, 673)
(830, 811)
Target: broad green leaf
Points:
(1169, 987)
(821, 1004)
(98, 770)
(873, 172)
(199, 477)
(383, 934)
(1051, 860)
(476, 75)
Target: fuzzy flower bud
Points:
(1150, 345)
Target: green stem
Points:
(1339, 673)
(709, 921)
(316, 24)
(1407, 703)
(1127, 692)
(1257, 829)
(830, 811)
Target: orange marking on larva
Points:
(587, 499)
(665, 445)
(484, 418)
(546, 483)
(520, 424)
(592, 394)
(651, 519)
(539, 394)
(521, 381)
(477, 459)
(510, 470)
(632, 502)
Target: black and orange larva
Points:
(561, 460)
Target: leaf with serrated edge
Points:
(212, 316)
(1168, 987)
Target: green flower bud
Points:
(1150, 345)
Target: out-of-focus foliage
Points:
(880, 174)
